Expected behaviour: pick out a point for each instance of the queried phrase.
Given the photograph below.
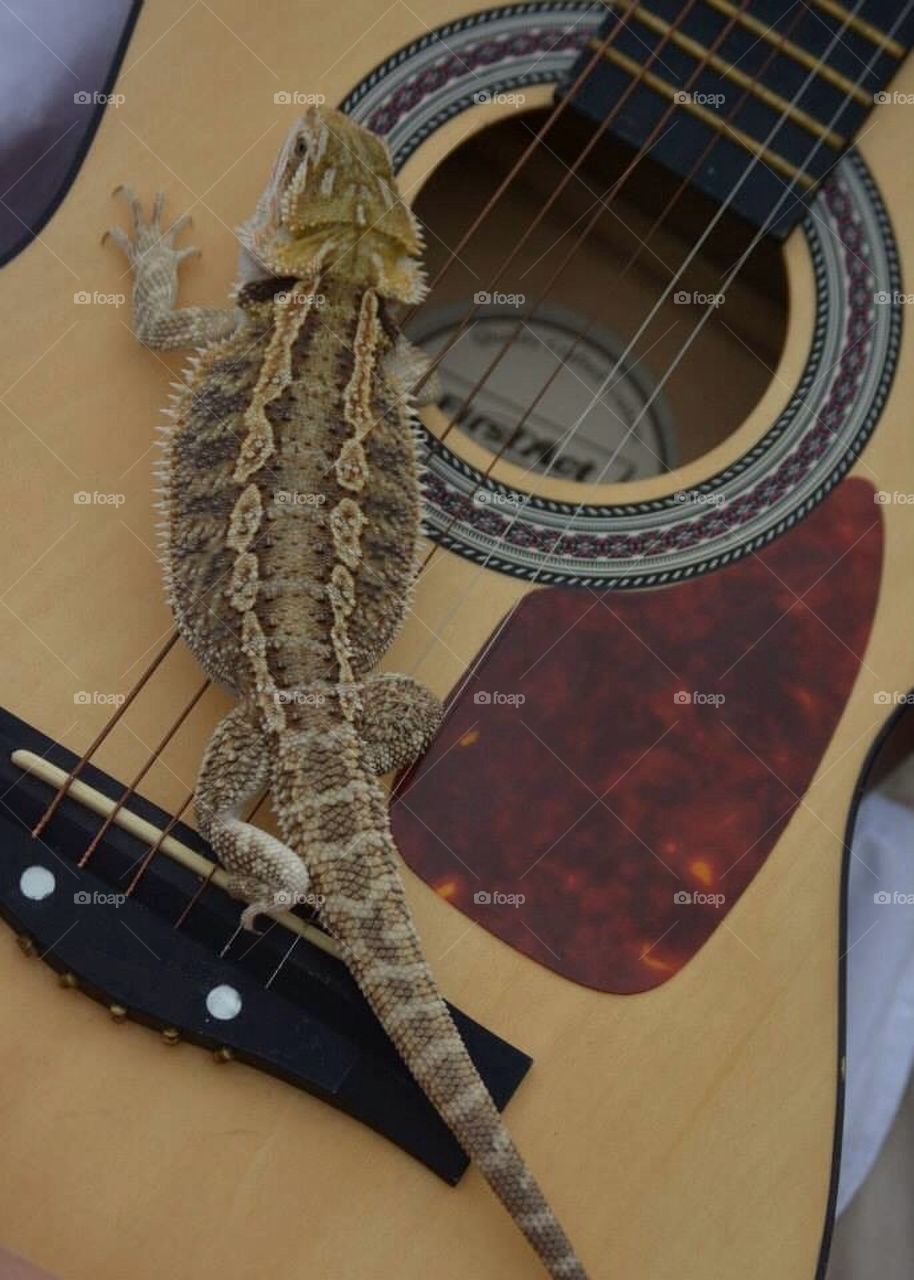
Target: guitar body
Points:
(683, 1127)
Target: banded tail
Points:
(335, 814)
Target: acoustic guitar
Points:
(664, 594)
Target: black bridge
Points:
(171, 955)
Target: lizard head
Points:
(331, 206)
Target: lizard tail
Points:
(335, 816)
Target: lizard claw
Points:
(179, 224)
(281, 900)
(263, 899)
(118, 236)
(249, 916)
(149, 237)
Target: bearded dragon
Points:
(291, 508)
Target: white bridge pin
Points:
(223, 1002)
(37, 883)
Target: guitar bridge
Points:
(165, 949)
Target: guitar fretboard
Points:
(744, 93)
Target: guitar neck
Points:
(751, 102)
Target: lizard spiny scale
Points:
(291, 505)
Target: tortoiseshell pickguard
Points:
(604, 797)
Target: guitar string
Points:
(131, 787)
(602, 203)
(557, 111)
(103, 734)
(715, 139)
(597, 211)
(138, 868)
(788, 191)
(871, 34)
(568, 174)
(454, 254)
(561, 362)
(187, 710)
(774, 50)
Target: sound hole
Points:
(580, 327)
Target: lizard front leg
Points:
(263, 871)
(407, 365)
(152, 255)
(398, 720)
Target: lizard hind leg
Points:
(398, 720)
(263, 872)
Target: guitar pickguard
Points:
(613, 777)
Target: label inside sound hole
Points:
(625, 433)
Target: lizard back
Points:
(250, 454)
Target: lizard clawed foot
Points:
(267, 900)
(269, 907)
(148, 238)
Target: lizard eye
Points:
(301, 147)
